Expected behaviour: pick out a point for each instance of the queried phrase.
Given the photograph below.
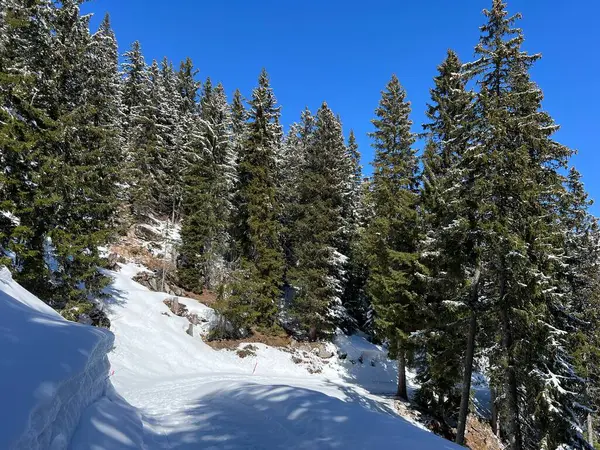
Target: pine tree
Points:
(292, 160)
(317, 276)
(172, 160)
(138, 129)
(252, 298)
(582, 279)
(392, 235)
(24, 126)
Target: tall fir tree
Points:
(524, 251)
(292, 160)
(317, 276)
(354, 299)
(452, 224)
(252, 298)
(392, 236)
(86, 151)
(205, 250)
(24, 127)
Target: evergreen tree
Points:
(138, 128)
(205, 233)
(292, 160)
(24, 126)
(354, 299)
(392, 235)
(252, 298)
(173, 161)
(317, 276)
(523, 251)
(86, 153)
(452, 223)
(582, 279)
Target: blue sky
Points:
(344, 52)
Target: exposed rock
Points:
(190, 330)
(147, 279)
(179, 309)
(248, 350)
(323, 352)
(112, 262)
(147, 233)
(194, 319)
(479, 435)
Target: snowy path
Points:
(229, 412)
(190, 396)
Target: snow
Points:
(52, 370)
(191, 396)
(168, 390)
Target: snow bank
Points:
(51, 370)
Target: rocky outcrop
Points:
(318, 348)
(147, 233)
(154, 282)
(113, 260)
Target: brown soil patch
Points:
(209, 298)
(279, 341)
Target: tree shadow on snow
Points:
(283, 417)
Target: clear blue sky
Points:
(344, 52)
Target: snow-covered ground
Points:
(191, 396)
(168, 390)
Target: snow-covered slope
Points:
(194, 397)
(169, 390)
(51, 370)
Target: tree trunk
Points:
(465, 395)
(495, 414)
(513, 429)
(312, 333)
(402, 391)
(590, 429)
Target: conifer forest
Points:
(469, 248)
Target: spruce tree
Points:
(354, 299)
(292, 160)
(252, 298)
(204, 252)
(317, 276)
(24, 127)
(582, 285)
(392, 235)
(524, 251)
(136, 127)
(452, 223)
(86, 152)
